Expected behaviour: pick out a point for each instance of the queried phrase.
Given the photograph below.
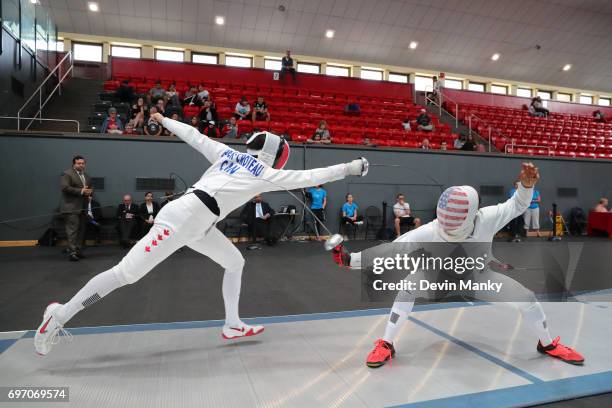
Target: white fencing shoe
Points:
(240, 330)
(47, 334)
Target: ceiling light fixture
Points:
(219, 20)
(495, 57)
(413, 45)
(93, 6)
(567, 67)
(330, 33)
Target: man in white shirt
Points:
(230, 181)
(403, 216)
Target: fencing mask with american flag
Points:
(456, 211)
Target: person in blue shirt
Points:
(515, 224)
(318, 202)
(532, 215)
(350, 211)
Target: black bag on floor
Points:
(49, 238)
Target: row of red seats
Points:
(530, 151)
(514, 111)
(536, 122)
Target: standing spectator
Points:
(171, 97)
(148, 211)
(403, 215)
(168, 196)
(260, 110)
(76, 187)
(469, 144)
(350, 211)
(321, 134)
(599, 117)
(532, 215)
(602, 205)
(425, 144)
(287, 66)
(318, 197)
(153, 128)
(203, 94)
(211, 130)
(93, 216)
(127, 215)
(138, 111)
(424, 122)
(406, 125)
(112, 123)
(538, 106)
(191, 96)
(156, 93)
(230, 129)
(515, 224)
(242, 110)
(257, 214)
(459, 142)
(125, 93)
(209, 113)
(434, 95)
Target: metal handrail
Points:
(78, 124)
(444, 97)
(38, 91)
(513, 145)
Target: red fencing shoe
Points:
(382, 352)
(558, 350)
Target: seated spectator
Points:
(352, 109)
(443, 145)
(599, 117)
(424, 122)
(350, 212)
(195, 122)
(138, 112)
(470, 144)
(260, 110)
(367, 142)
(161, 107)
(459, 142)
(174, 116)
(211, 130)
(406, 125)
(93, 216)
(203, 94)
(425, 144)
(480, 147)
(191, 97)
(533, 112)
(242, 110)
(127, 215)
(257, 214)
(401, 210)
(153, 128)
(112, 123)
(148, 211)
(321, 134)
(602, 205)
(230, 129)
(287, 66)
(168, 196)
(171, 97)
(209, 112)
(155, 93)
(125, 93)
(538, 106)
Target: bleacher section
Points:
(298, 110)
(517, 132)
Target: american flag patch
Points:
(453, 207)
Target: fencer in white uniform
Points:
(460, 220)
(232, 179)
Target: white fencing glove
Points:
(358, 167)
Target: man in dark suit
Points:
(128, 216)
(76, 187)
(257, 214)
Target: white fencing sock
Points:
(97, 287)
(399, 314)
(232, 279)
(534, 315)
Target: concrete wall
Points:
(30, 168)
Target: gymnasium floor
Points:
(157, 343)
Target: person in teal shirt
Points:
(318, 202)
(349, 211)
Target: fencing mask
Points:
(457, 209)
(269, 148)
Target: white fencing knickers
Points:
(184, 221)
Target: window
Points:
(87, 52)
(308, 68)
(564, 97)
(337, 71)
(546, 95)
(236, 61)
(423, 83)
(453, 84)
(476, 86)
(586, 99)
(200, 58)
(605, 101)
(403, 78)
(524, 92)
(273, 64)
(499, 89)
(169, 55)
(372, 74)
(60, 45)
(128, 52)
